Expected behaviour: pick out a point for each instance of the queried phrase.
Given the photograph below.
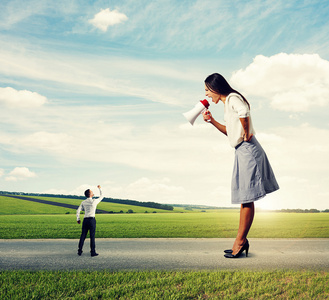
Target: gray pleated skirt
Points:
(253, 176)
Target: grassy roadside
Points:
(164, 285)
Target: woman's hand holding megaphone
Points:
(207, 116)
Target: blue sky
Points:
(92, 92)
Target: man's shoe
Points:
(94, 254)
(79, 252)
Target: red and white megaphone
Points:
(192, 114)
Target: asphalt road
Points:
(163, 254)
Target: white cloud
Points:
(108, 134)
(298, 156)
(102, 74)
(20, 173)
(58, 192)
(80, 190)
(2, 172)
(292, 82)
(222, 192)
(155, 190)
(20, 99)
(45, 141)
(77, 191)
(142, 189)
(297, 150)
(106, 18)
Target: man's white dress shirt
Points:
(89, 206)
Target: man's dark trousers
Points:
(88, 224)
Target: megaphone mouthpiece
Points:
(205, 103)
(192, 115)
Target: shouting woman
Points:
(253, 177)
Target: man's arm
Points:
(78, 213)
(100, 195)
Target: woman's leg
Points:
(247, 212)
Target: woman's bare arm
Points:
(207, 117)
(245, 122)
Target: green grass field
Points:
(164, 285)
(12, 206)
(25, 219)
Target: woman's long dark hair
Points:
(218, 84)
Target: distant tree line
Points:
(112, 200)
(298, 210)
(195, 206)
(139, 203)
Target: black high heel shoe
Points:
(244, 247)
(230, 250)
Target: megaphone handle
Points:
(206, 109)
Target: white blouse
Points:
(234, 109)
